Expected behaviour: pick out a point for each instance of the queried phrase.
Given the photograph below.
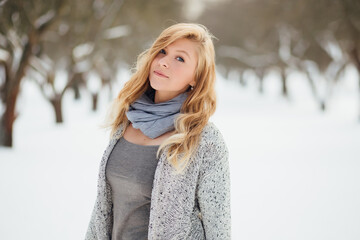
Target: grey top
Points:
(130, 172)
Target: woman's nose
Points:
(164, 62)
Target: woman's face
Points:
(173, 69)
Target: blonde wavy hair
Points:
(196, 109)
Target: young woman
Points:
(165, 174)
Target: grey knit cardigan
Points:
(193, 205)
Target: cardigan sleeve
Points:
(214, 192)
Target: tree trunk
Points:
(11, 91)
(311, 83)
(242, 79)
(260, 74)
(313, 88)
(8, 119)
(76, 81)
(75, 87)
(4, 136)
(322, 105)
(94, 101)
(284, 89)
(56, 103)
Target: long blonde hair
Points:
(196, 109)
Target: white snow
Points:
(93, 82)
(60, 81)
(294, 170)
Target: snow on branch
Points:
(83, 50)
(117, 32)
(4, 55)
(42, 20)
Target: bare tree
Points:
(20, 31)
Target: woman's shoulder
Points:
(213, 150)
(212, 142)
(211, 135)
(114, 135)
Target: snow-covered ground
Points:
(294, 170)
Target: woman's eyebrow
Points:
(184, 52)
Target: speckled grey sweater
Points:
(194, 205)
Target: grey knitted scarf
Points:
(154, 119)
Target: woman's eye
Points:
(162, 51)
(180, 59)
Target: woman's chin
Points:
(155, 85)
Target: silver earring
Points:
(192, 88)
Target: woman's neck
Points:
(163, 96)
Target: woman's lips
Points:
(160, 74)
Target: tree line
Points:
(317, 38)
(64, 45)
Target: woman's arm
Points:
(214, 193)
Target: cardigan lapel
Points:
(172, 200)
